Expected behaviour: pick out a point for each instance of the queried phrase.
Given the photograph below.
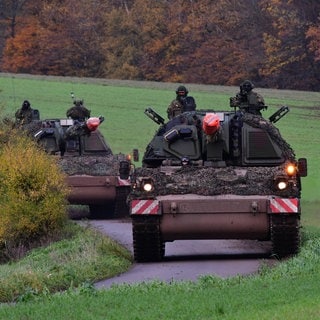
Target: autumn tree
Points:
(10, 10)
(228, 37)
(274, 43)
(313, 34)
(122, 45)
(288, 61)
(60, 39)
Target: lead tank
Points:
(216, 175)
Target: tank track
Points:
(121, 209)
(147, 243)
(285, 235)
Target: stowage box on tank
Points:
(216, 175)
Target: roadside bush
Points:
(32, 194)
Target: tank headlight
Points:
(185, 161)
(291, 169)
(281, 183)
(147, 185)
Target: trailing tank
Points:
(96, 177)
(216, 175)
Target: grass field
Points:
(290, 291)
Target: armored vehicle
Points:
(216, 175)
(93, 173)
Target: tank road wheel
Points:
(285, 235)
(147, 243)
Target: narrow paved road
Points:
(187, 260)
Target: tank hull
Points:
(214, 217)
(85, 189)
(105, 195)
(195, 217)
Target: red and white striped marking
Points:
(123, 182)
(144, 207)
(280, 205)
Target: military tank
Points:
(97, 178)
(216, 175)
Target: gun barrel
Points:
(279, 114)
(154, 116)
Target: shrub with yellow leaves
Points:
(33, 191)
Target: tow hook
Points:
(173, 208)
(254, 207)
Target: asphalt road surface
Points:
(188, 259)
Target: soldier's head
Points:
(78, 103)
(246, 86)
(25, 105)
(182, 92)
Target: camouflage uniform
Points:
(248, 100)
(24, 115)
(181, 104)
(174, 108)
(77, 130)
(78, 111)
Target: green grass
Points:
(288, 291)
(83, 257)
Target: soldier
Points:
(78, 111)
(24, 115)
(181, 103)
(248, 100)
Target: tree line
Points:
(274, 43)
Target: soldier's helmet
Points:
(25, 105)
(246, 86)
(78, 103)
(182, 91)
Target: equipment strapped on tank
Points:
(94, 122)
(210, 123)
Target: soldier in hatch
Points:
(24, 115)
(181, 103)
(78, 111)
(247, 100)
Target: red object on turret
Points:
(210, 123)
(93, 123)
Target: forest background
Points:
(274, 43)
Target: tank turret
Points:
(219, 139)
